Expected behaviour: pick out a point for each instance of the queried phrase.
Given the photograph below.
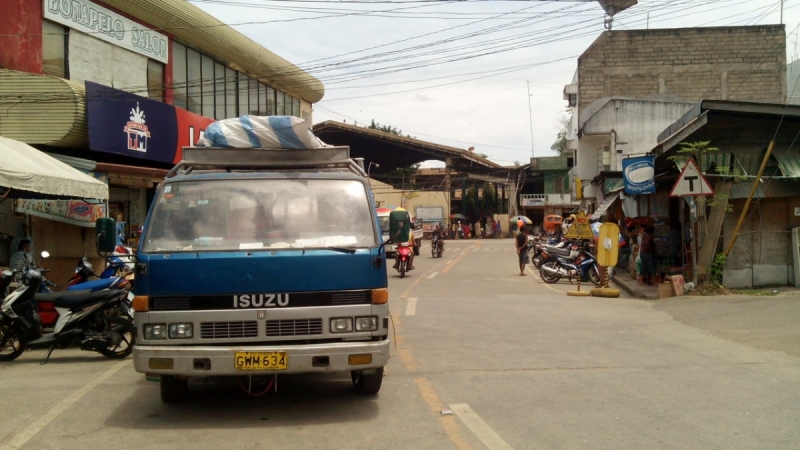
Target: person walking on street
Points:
(497, 229)
(521, 242)
(460, 231)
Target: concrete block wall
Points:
(722, 63)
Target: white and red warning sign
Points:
(691, 183)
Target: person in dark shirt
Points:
(522, 250)
(647, 253)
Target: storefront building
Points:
(116, 89)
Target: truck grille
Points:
(170, 304)
(350, 298)
(223, 330)
(298, 327)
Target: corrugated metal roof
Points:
(789, 162)
(39, 109)
(769, 188)
(195, 27)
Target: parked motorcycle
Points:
(80, 283)
(403, 258)
(437, 247)
(86, 320)
(580, 263)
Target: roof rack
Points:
(262, 158)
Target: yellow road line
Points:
(449, 423)
(455, 261)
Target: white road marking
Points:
(449, 261)
(31, 430)
(480, 428)
(432, 275)
(540, 281)
(411, 306)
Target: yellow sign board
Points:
(608, 245)
(580, 228)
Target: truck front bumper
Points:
(204, 361)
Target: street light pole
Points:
(530, 114)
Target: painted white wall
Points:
(635, 123)
(91, 59)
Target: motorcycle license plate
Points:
(260, 361)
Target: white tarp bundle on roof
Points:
(23, 168)
(260, 132)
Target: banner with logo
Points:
(639, 175)
(75, 212)
(138, 127)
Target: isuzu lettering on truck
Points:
(258, 262)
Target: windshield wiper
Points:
(349, 250)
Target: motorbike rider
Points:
(410, 255)
(437, 236)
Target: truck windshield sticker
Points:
(260, 214)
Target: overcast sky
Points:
(458, 72)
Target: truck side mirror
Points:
(399, 226)
(106, 233)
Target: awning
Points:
(28, 173)
(603, 207)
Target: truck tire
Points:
(173, 389)
(367, 382)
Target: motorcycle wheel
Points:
(402, 269)
(594, 276)
(548, 277)
(11, 343)
(537, 260)
(439, 253)
(433, 251)
(122, 334)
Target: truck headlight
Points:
(342, 325)
(155, 331)
(369, 323)
(180, 330)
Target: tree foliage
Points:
(560, 144)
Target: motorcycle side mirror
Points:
(45, 254)
(106, 233)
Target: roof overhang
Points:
(391, 151)
(194, 27)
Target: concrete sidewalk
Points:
(625, 283)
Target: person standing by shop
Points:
(22, 259)
(647, 253)
(22, 235)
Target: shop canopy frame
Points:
(28, 173)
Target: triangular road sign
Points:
(691, 183)
(580, 229)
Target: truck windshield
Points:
(260, 214)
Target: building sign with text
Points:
(104, 24)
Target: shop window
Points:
(155, 80)
(194, 79)
(230, 93)
(252, 94)
(270, 101)
(262, 99)
(179, 98)
(54, 49)
(219, 90)
(295, 106)
(279, 110)
(244, 95)
(207, 73)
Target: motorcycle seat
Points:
(557, 251)
(93, 285)
(70, 300)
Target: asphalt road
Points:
(512, 362)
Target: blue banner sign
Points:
(639, 174)
(131, 125)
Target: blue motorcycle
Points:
(580, 263)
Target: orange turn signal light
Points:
(380, 296)
(141, 303)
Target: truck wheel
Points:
(367, 382)
(173, 389)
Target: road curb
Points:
(632, 291)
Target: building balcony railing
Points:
(564, 199)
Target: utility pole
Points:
(781, 12)
(530, 114)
